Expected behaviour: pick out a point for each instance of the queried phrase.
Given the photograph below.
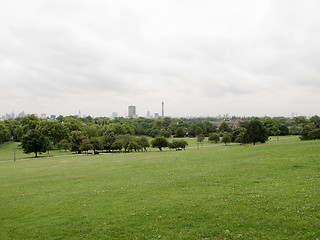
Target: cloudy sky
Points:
(201, 57)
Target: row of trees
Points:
(63, 126)
(102, 133)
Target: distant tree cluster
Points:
(84, 134)
(311, 129)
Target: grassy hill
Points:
(270, 191)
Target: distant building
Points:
(21, 115)
(156, 115)
(53, 117)
(43, 116)
(114, 115)
(148, 114)
(132, 112)
(162, 109)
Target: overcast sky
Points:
(201, 57)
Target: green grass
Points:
(8, 150)
(270, 191)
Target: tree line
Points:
(83, 134)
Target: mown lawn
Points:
(270, 191)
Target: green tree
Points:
(226, 138)
(214, 137)
(238, 135)
(159, 142)
(180, 132)
(143, 142)
(85, 145)
(75, 139)
(107, 140)
(4, 133)
(64, 144)
(271, 126)
(256, 132)
(34, 141)
(224, 127)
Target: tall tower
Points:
(131, 111)
(162, 109)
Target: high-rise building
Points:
(132, 111)
(114, 115)
(162, 109)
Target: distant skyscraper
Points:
(114, 115)
(156, 115)
(131, 111)
(148, 114)
(162, 109)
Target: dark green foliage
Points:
(85, 145)
(310, 131)
(4, 133)
(180, 132)
(226, 138)
(214, 137)
(64, 144)
(271, 126)
(238, 135)
(178, 144)
(200, 138)
(75, 139)
(159, 142)
(256, 132)
(107, 140)
(34, 141)
(224, 127)
(143, 142)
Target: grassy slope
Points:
(269, 191)
(7, 152)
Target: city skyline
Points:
(248, 58)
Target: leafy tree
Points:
(4, 133)
(284, 130)
(226, 138)
(53, 130)
(85, 145)
(306, 132)
(64, 144)
(159, 142)
(178, 144)
(96, 144)
(134, 145)
(224, 127)
(197, 129)
(29, 122)
(271, 126)
(214, 137)
(200, 138)
(92, 130)
(34, 141)
(180, 132)
(315, 120)
(75, 139)
(301, 121)
(143, 142)
(256, 132)
(117, 145)
(238, 135)
(72, 124)
(107, 140)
